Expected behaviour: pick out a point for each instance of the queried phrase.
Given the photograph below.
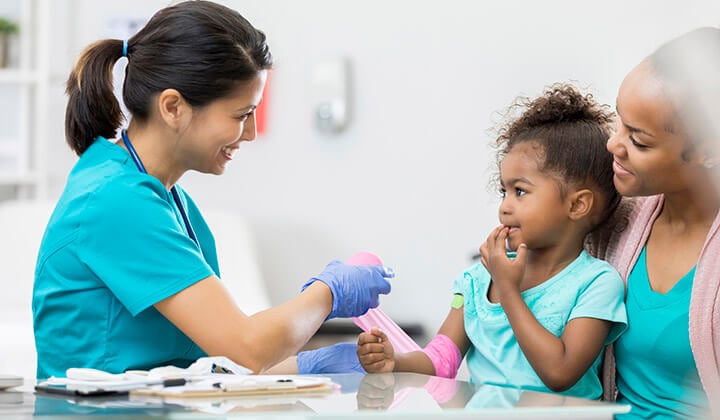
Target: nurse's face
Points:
(648, 144)
(218, 128)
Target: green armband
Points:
(457, 302)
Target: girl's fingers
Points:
(492, 237)
(499, 245)
(483, 251)
(379, 334)
(366, 338)
(521, 254)
(365, 350)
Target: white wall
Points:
(409, 178)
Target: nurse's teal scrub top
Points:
(114, 246)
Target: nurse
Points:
(127, 274)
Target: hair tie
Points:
(125, 46)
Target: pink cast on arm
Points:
(444, 355)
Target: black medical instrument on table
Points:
(173, 190)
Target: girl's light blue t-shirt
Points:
(656, 371)
(114, 246)
(586, 288)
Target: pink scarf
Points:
(621, 246)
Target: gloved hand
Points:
(338, 358)
(355, 288)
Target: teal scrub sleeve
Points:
(603, 298)
(135, 242)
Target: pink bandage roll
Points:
(444, 355)
(375, 317)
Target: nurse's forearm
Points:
(287, 366)
(281, 331)
(207, 314)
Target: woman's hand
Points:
(506, 273)
(355, 289)
(338, 358)
(375, 352)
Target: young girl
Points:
(540, 317)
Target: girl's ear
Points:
(581, 204)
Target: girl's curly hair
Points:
(571, 130)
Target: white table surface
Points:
(358, 396)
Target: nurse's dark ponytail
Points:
(92, 108)
(201, 49)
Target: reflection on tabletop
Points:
(356, 396)
(390, 391)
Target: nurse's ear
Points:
(173, 109)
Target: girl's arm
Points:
(559, 361)
(376, 353)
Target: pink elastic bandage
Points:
(375, 317)
(444, 355)
(402, 343)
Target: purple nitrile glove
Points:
(355, 288)
(338, 358)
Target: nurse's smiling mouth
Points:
(228, 152)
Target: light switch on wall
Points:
(331, 92)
